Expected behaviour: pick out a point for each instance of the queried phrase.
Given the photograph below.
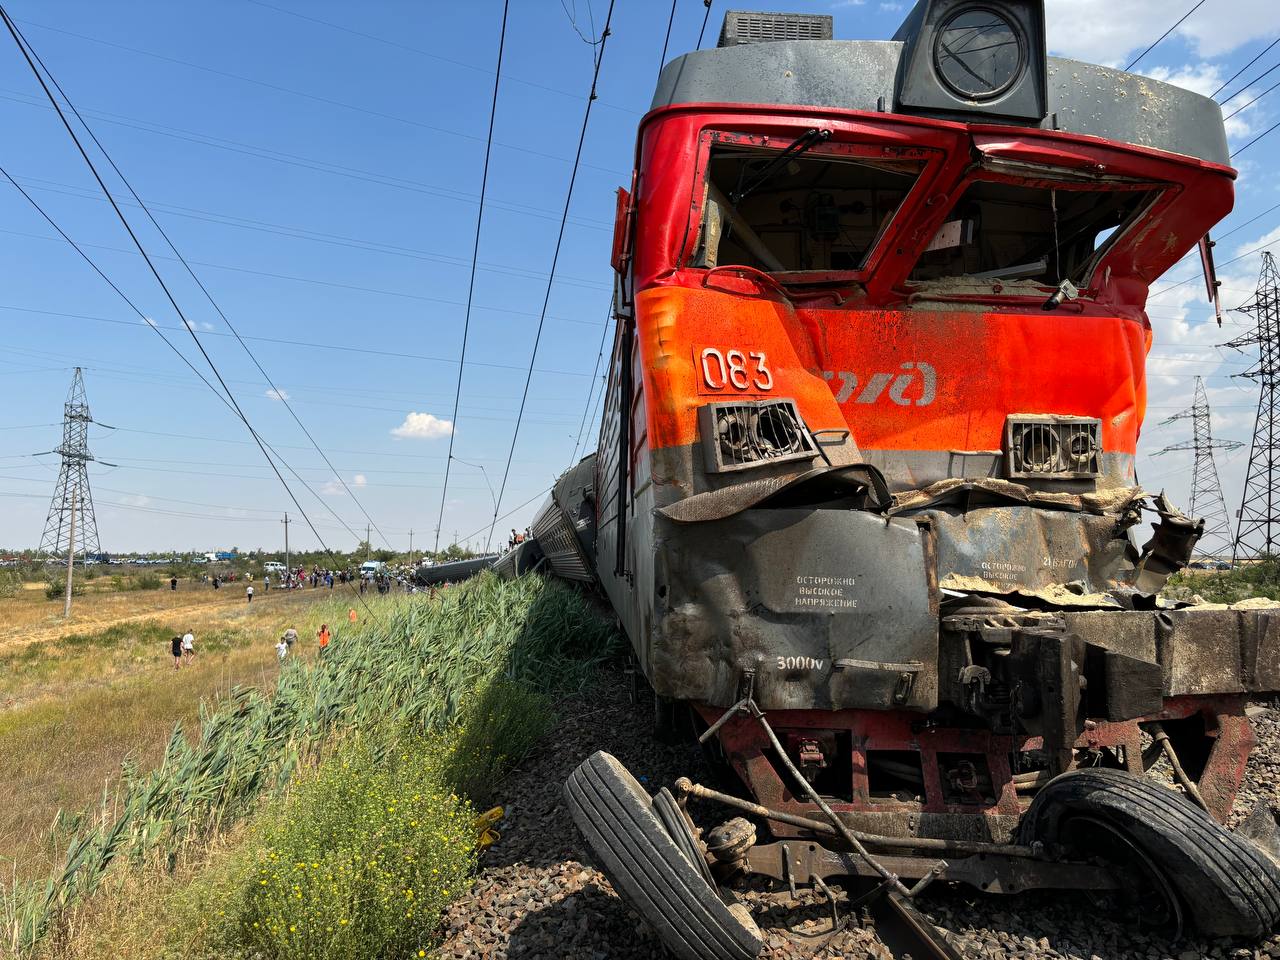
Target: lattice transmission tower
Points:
(72, 493)
(1258, 526)
(1207, 502)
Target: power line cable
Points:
(1269, 130)
(1233, 77)
(662, 60)
(1132, 63)
(555, 258)
(27, 55)
(705, 17)
(169, 343)
(1254, 100)
(475, 259)
(591, 387)
(426, 53)
(342, 347)
(279, 394)
(316, 98)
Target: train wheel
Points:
(651, 868)
(1178, 859)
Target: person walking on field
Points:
(188, 646)
(173, 583)
(324, 638)
(175, 645)
(248, 592)
(282, 650)
(289, 637)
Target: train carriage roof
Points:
(1079, 97)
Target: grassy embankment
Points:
(330, 818)
(1260, 579)
(77, 700)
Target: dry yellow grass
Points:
(72, 706)
(31, 618)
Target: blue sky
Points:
(322, 177)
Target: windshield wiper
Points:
(806, 141)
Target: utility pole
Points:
(1258, 523)
(287, 569)
(1206, 491)
(411, 547)
(368, 540)
(71, 556)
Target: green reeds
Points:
(420, 663)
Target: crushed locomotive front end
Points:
(867, 469)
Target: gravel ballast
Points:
(538, 895)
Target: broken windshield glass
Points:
(819, 211)
(1003, 231)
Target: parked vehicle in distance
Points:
(273, 566)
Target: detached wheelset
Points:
(646, 847)
(1165, 860)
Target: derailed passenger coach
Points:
(865, 498)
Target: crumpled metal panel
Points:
(1065, 557)
(823, 609)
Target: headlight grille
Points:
(736, 436)
(1045, 445)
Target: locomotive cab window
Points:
(1003, 231)
(785, 211)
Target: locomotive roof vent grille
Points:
(1048, 446)
(737, 436)
(742, 26)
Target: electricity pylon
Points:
(1258, 527)
(72, 495)
(1207, 502)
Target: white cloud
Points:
(1205, 79)
(1103, 31)
(333, 488)
(274, 394)
(423, 426)
(149, 322)
(135, 499)
(197, 325)
(840, 4)
(891, 7)
(359, 480)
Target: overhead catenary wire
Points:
(1235, 75)
(1269, 130)
(705, 17)
(475, 259)
(169, 343)
(124, 221)
(555, 259)
(302, 94)
(279, 394)
(591, 387)
(1250, 103)
(666, 41)
(1134, 62)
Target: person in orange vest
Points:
(351, 614)
(324, 638)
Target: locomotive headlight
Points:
(737, 436)
(979, 53)
(967, 57)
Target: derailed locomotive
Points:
(865, 498)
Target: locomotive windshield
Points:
(820, 211)
(1015, 232)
